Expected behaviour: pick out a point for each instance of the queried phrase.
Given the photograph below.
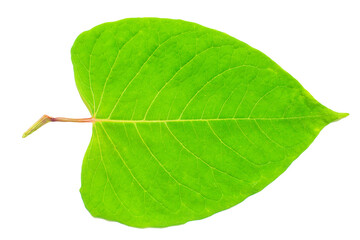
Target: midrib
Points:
(203, 120)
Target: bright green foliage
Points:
(189, 121)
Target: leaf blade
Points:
(188, 120)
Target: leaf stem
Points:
(45, 119)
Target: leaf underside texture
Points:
(189, 121)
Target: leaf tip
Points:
(341, 116)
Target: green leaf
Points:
(187, 121)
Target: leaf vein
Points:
(232, 149)
(106, 172)
(202, 160)
(213, 78)
(267, 136)
(163, 167)
(111, 69)
(138, 72)
(177, 72)
(131, 173)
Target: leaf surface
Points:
(188, 120)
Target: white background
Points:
(317, 42)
